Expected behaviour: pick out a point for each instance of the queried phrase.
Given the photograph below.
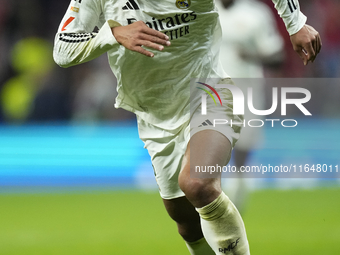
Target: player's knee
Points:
(199, 191)
(191, 187)
(196, 189)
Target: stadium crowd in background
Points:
(33, 88)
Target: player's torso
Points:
(194, 32)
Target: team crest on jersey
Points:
(183, 4)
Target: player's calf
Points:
(189, 226)
(186, 218)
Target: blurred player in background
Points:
(250, 41)
(155, 85)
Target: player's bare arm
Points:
(138, 34)
(307, 43)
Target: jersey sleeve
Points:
(75, 41)
(289, 11)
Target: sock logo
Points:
(230, 246)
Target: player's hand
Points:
(138, 34)
(307, 43)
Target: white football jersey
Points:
(156, 89)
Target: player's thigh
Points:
(206, 148)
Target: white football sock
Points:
(223, 227)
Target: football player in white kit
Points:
(155, 48)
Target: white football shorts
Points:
(167, 147)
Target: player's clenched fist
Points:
(138, 34)
(307, 43)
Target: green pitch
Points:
(124, 223)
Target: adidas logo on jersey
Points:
(206, 123)
(131, 5)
